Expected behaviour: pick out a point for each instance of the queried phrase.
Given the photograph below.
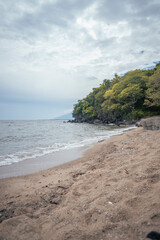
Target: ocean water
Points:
(21, 140)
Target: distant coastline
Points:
(65, 117)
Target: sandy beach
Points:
(112, 192)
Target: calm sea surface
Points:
(21, 140)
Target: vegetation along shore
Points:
(124, 98)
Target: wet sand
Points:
(112, 192)
(37, 164)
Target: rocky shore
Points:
(150, 123)
(97, 121)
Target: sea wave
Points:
(40, 151)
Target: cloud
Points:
(37, 19)
(56, 49)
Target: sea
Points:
(22, 140)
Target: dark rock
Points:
(71, 121)
(2, 210)
(54, 202)
(153, 235)
(18, 196)
(6, 214)
(27, 205)
(77, 174)
(63, 187)
(9, 203)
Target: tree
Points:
(77, 112)
(132, 96)
(153, 91)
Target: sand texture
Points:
(113, 192)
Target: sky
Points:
(53, 52)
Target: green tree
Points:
(77, 112)
(153, 91)
(132, 96)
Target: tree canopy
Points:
(130, 97)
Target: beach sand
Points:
(112, 192)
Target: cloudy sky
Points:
(53, 52)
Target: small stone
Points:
(2, 210)
(54, 202)
(18, 196)
(9, 203)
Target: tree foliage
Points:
(130, 97)
(153, 90)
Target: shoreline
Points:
(44, 162)
(111, 192)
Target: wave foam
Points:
(41, 151)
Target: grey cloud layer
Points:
(24, 17)
(74, 43)
(37, 19)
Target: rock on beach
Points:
(152, 123)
